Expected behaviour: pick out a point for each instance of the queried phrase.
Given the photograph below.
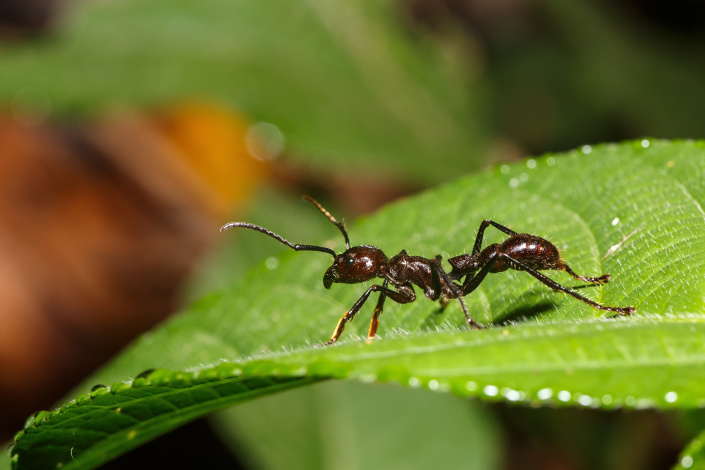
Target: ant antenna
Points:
(330, 217)
(281, 239)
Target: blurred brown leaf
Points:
(99, 227)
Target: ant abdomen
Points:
(530, 250)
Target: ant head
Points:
(356, 264)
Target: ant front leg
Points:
(404, 296)
(438, 273)
(481, 232)
(374, 323)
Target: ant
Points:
(362, 263)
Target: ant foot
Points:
(603, 279)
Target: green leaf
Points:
(104, 423)
(633, 210)
(328, 426)
(344, 81)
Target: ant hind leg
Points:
(558, 287)
(604, 279)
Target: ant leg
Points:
(604, 279)
(471, 283)
(481, 233)
(438, 272)
(374, 323)
(557, 287)
(399, 297)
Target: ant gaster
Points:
(362, 263)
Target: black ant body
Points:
(362, 263)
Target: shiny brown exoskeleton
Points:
(522, 252)
(366, 262)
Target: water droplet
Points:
(630, 401)
(271, 263)
(147, 338)
(687, 461)
(29, 422)
(615, 221)
(645, 143)
(471, 386)
(414, 382)
(585, 400)
(524, 177)
(505, 169)
(132, 434)
(564, 395)
(513, 183)
(97, 387)
(531, 163)
(490, 390)
(550, 161)
(544, 394)
(264, 141)
(433, 384)
(671, 397)
(606, 399)
(512, 395)
(586, 149)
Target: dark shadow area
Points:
(194, 445)
(521, 314)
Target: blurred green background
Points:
(356, 103)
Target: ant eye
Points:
(349, 261)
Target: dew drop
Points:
(97, 387)
(606, 399)
(513, 183)
(505, 169)
(264, 141)
(271, 263)
(630, 401)
(490, 390)
(471, 386)
(687, 461)
(433, 384)
(524, 177)
(615, 221)
(544, 394)
(131, 435)
(550, 161)
(564, 395)
(645, 143)
(531, 163)
(414, 382)
(671, 397)
(586, 149)
(585, 400)
(512, 395)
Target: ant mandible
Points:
(362, 263)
